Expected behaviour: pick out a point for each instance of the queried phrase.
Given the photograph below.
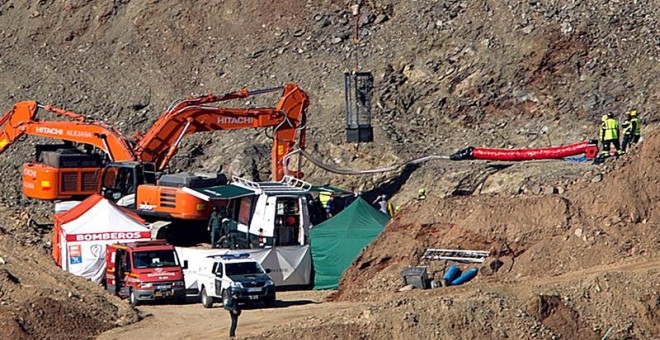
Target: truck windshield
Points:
(153, 259)
(243, 268)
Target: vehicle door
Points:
(118, 182)
(305, 220)
(218, 278)
(111, 269)
(123, 269)
(246, 209)
(288, 225)
(116, 270)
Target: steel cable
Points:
(332, 169)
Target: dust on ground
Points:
(193, 321)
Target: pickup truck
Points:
(216, 275)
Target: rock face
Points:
(448, 74)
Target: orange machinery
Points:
(62, 171)
(131, 175)
(193, 115)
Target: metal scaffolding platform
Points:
(466, 256)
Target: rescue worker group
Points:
(610, 133)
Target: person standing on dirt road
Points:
(609, 135)
(234, 312)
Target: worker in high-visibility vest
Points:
(609, 135)
(381, 203)
(632, 128)
(324, 198)
(421, 194)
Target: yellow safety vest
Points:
(610, 129)
(638, 126)
(324, 197)
(390, 209)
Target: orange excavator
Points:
(128, 183)
(130, 171)
(194, 114)
(62, 171)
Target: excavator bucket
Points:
(10, 122)
(290, 133)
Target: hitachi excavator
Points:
(132, 172)
(191, 115)
(62, 171)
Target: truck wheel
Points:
(133, 298)
(207, 301)
(270, 301)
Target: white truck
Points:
(269, 220)
(263, 214)
(214, 276)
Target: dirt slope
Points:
(448, 73)
(577, 263)
(40, 301)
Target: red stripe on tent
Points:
(88, 203)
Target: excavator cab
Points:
(119, 181)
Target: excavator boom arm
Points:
(194, 115)
(290, 134)
(26, 111)
(21, 120)
(100, 137)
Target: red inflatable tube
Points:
(557, 152)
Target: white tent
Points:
(289, 266)
(82, 233)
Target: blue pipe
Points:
(467, 276)
(452, 273)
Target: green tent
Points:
(338, 241)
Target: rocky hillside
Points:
(448, 74)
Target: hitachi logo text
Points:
(235, 120)
(50, 131)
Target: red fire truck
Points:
(145, 271)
